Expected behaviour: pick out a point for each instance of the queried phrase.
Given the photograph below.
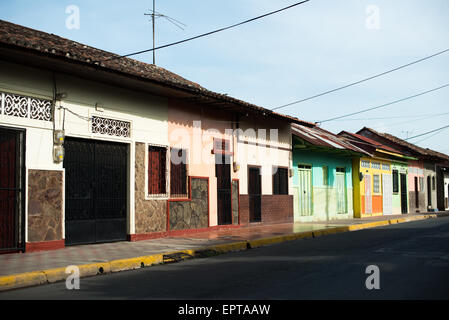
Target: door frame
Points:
(21, 158)
(129, 181)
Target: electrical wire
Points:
(208, 33)
(361, 81)
(426, 133)
(387, 104)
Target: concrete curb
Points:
(36, 278)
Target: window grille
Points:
(111, 127)
(375, 165)
(365, 164)
(25, 107)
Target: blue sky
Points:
(298, 53)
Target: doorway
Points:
(223, 174)
(404, 203)
(305, 190)
(96, 184)
(255, 194)
(12, 181)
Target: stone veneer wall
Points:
(45, 205)
(193, 214)
(150, 215)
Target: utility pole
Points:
(154, 32)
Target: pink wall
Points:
(415, 169)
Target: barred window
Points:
(157, 170)
(385, 166)
(280, 181)
(178, 172)
(395, 181)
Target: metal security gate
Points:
(305, 190)
(96, 183)
(223, 174)
(387, 193)
(255, 195)
(12, 173)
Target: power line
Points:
(396, 117)
(209, 33)
(420, 119)
(426, 133)
(363, 80)
(387, 104)
(431, 136)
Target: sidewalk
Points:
(21, 270)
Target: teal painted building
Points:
(322, 175)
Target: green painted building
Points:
(322, 177)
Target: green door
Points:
(341, 190)
(305, 190)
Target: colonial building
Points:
(323, 179)
(98, 148)
(380, 180)
(423, 193)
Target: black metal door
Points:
(404, 193)
(12, 158)
(223, 174)
(96, 191)
(255, 195)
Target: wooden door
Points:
(368, 195)
(255, 195)
(223, 174)
(341, 191)
(305, 190)
(387, 193)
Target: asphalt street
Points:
(413, 262)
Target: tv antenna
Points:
(156, 15)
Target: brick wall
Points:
(275, 209)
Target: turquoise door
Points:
(305, 190)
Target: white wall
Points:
(147, 114)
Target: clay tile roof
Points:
(372, 142)
(55, 46)
(320, 137)
(411, 146)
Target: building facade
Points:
(94, 150)
(322, 178)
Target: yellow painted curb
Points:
(228, 247)
(22, 280)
